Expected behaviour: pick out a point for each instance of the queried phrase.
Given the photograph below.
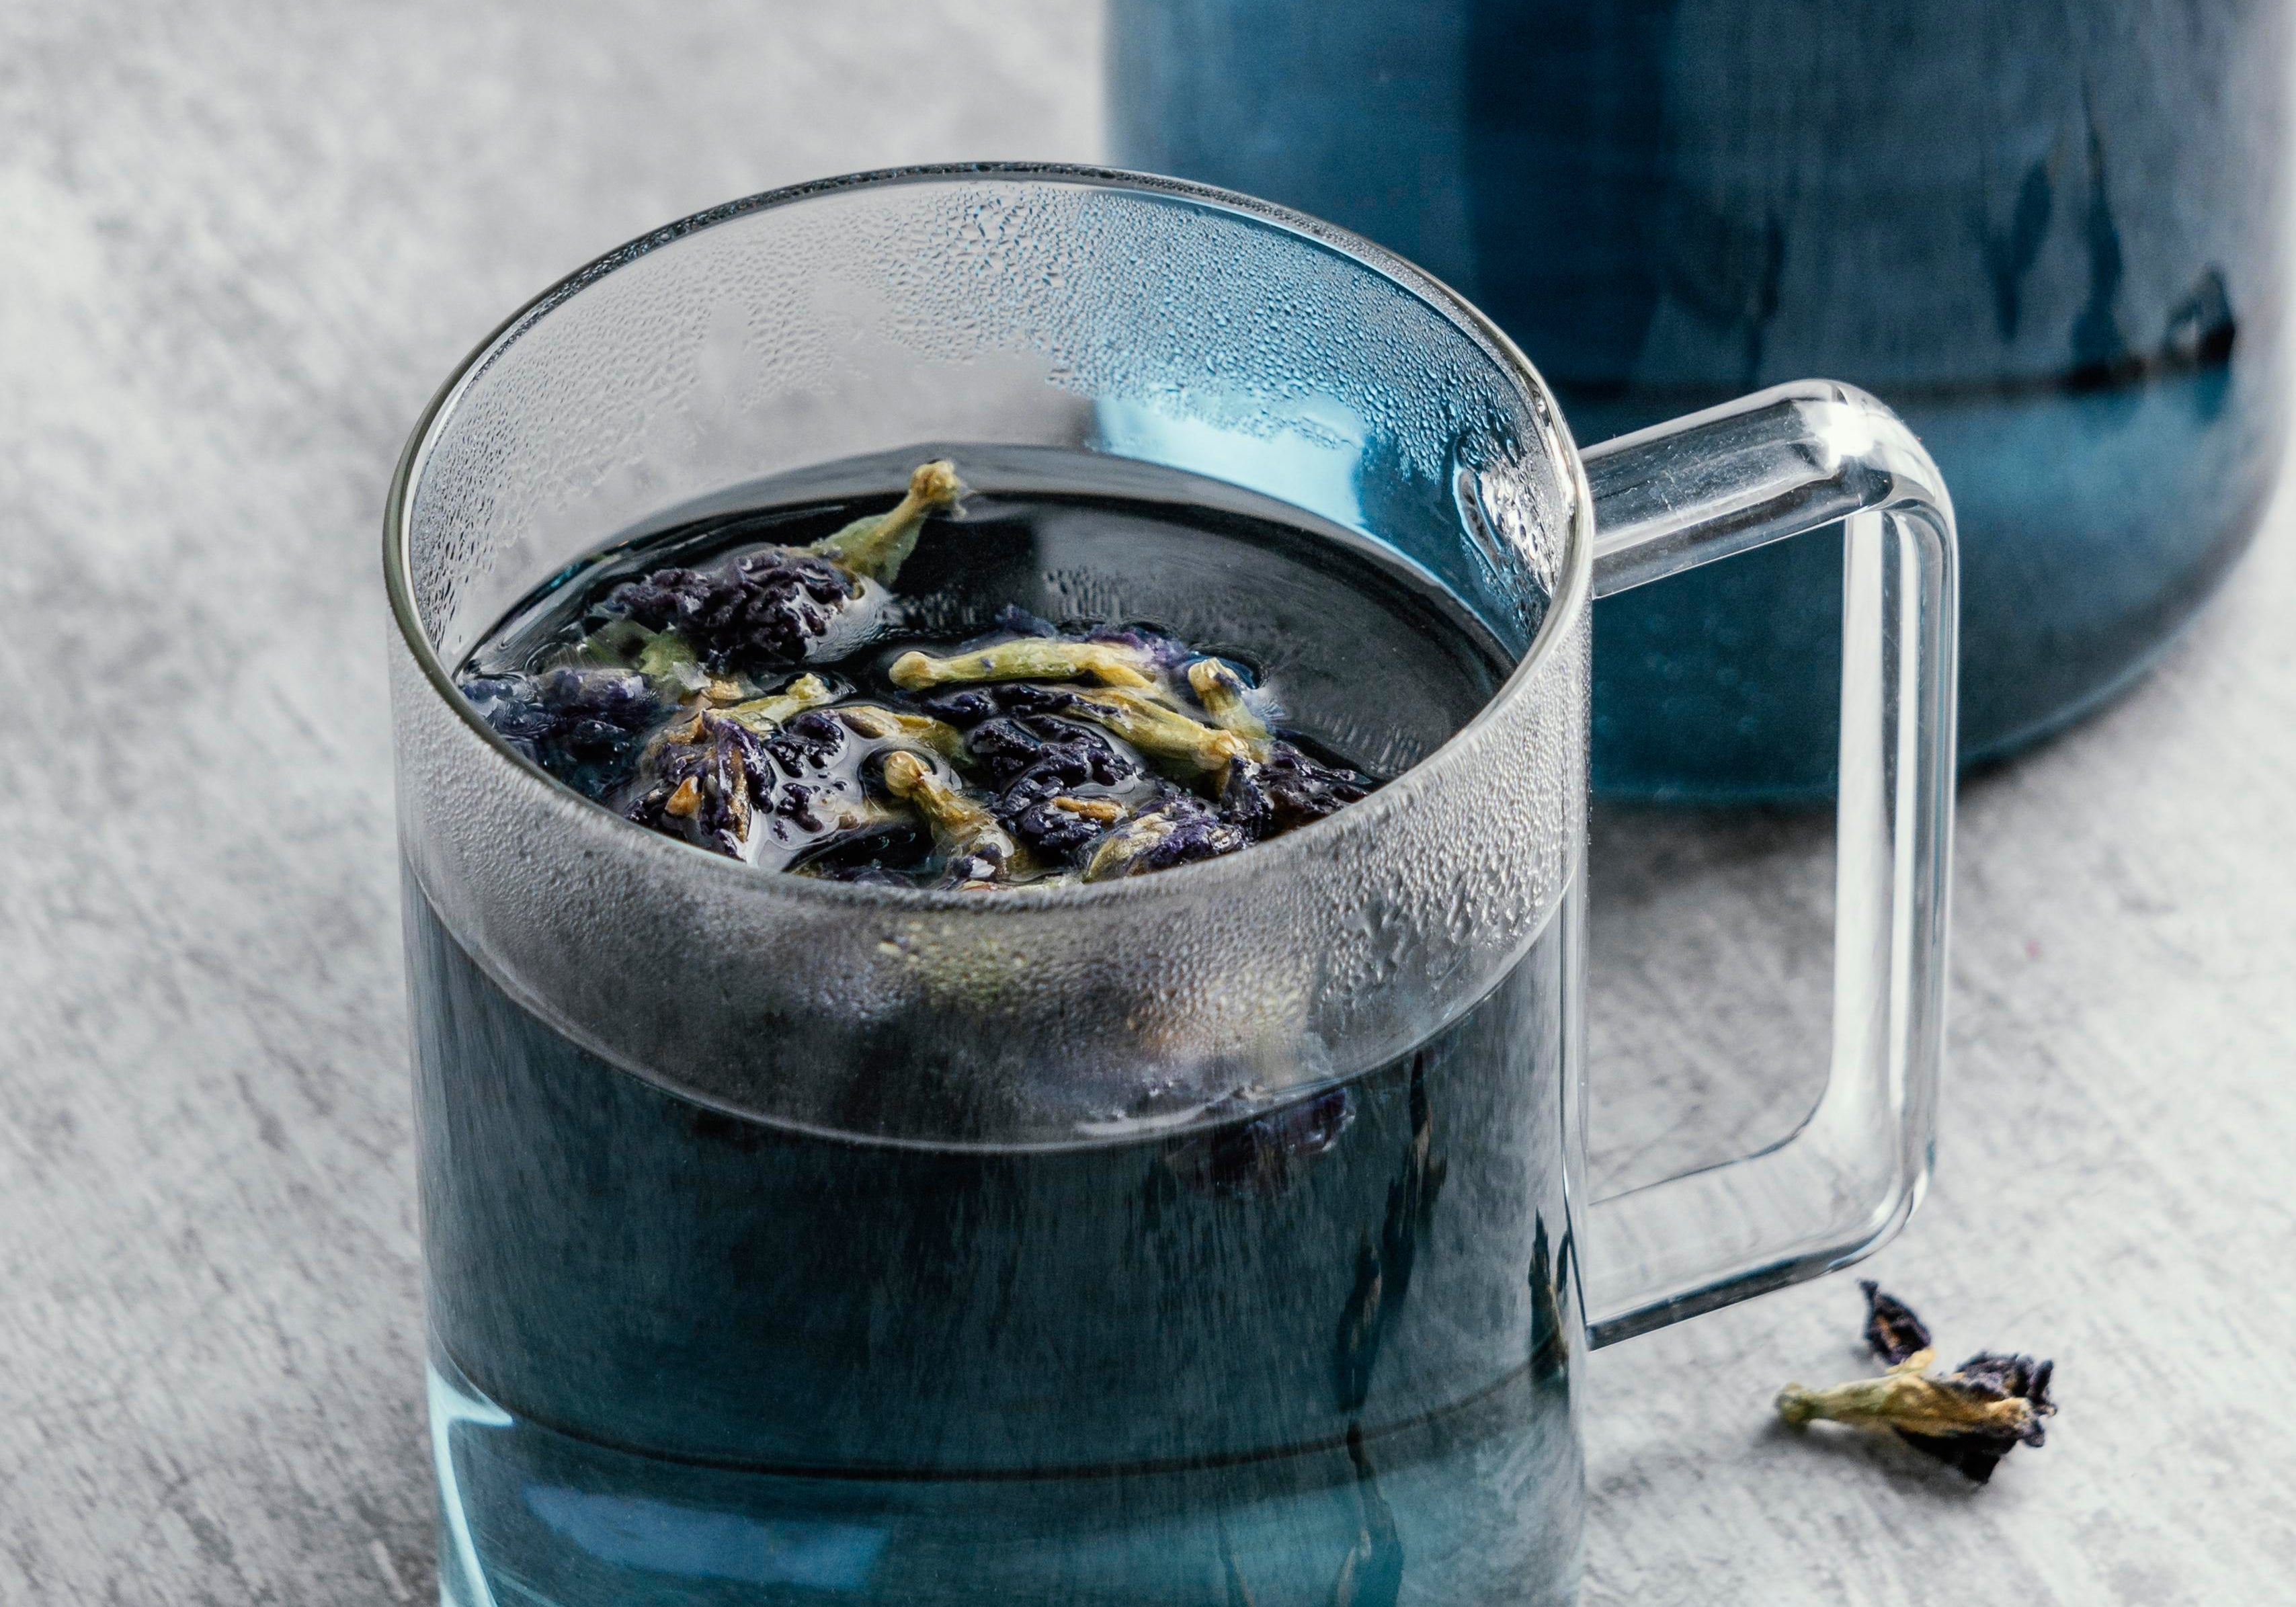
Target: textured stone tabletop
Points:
(240, 242)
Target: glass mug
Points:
(773, 1251)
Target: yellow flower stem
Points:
(1027, 659)
(1163, 733)
(961, 825)
(1220, 689)
(766, 715)
(892, 725)
(875, 547)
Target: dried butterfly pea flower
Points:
(809, 743)
(1059, 825)
(1083, 780)
(1058, 782)
(1987, 1377)
(1028, 659)
(777, 710)
(1164, 654)
(716, 780)
(975, 844)
(1048, 754)
(1178, 831)
(1221, 690)
(707, 777)
(585, 726)
(766, 715)
(1106, 811)
(1031, 759)
(1970, 1418)
(974, 704)
(814, 800)
(889, 725)
(1162, 733)
(762, 609)
(876, 547)
(1892, 1332)
(765, 608)
(1285, 789)
(1120, 850)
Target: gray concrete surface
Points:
(240, 243)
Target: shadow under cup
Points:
(843, 1242)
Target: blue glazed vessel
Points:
(2051, 237)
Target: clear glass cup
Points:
(779, 1244)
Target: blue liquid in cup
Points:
(683, 1356)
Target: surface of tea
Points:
(876, 698)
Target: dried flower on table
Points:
(1892, 1332)
(1970, 1418)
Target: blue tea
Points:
(1322, 1348)
(2051, 237)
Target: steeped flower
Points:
(1029, 658)
(766, 715)
(764, 608)
(876, 547)
(1221, 690)
(1159, 731)
(889, 725)
(977, 848)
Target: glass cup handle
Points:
(1777, 464)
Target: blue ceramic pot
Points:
(2051, 237)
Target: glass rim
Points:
(1571, 596)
